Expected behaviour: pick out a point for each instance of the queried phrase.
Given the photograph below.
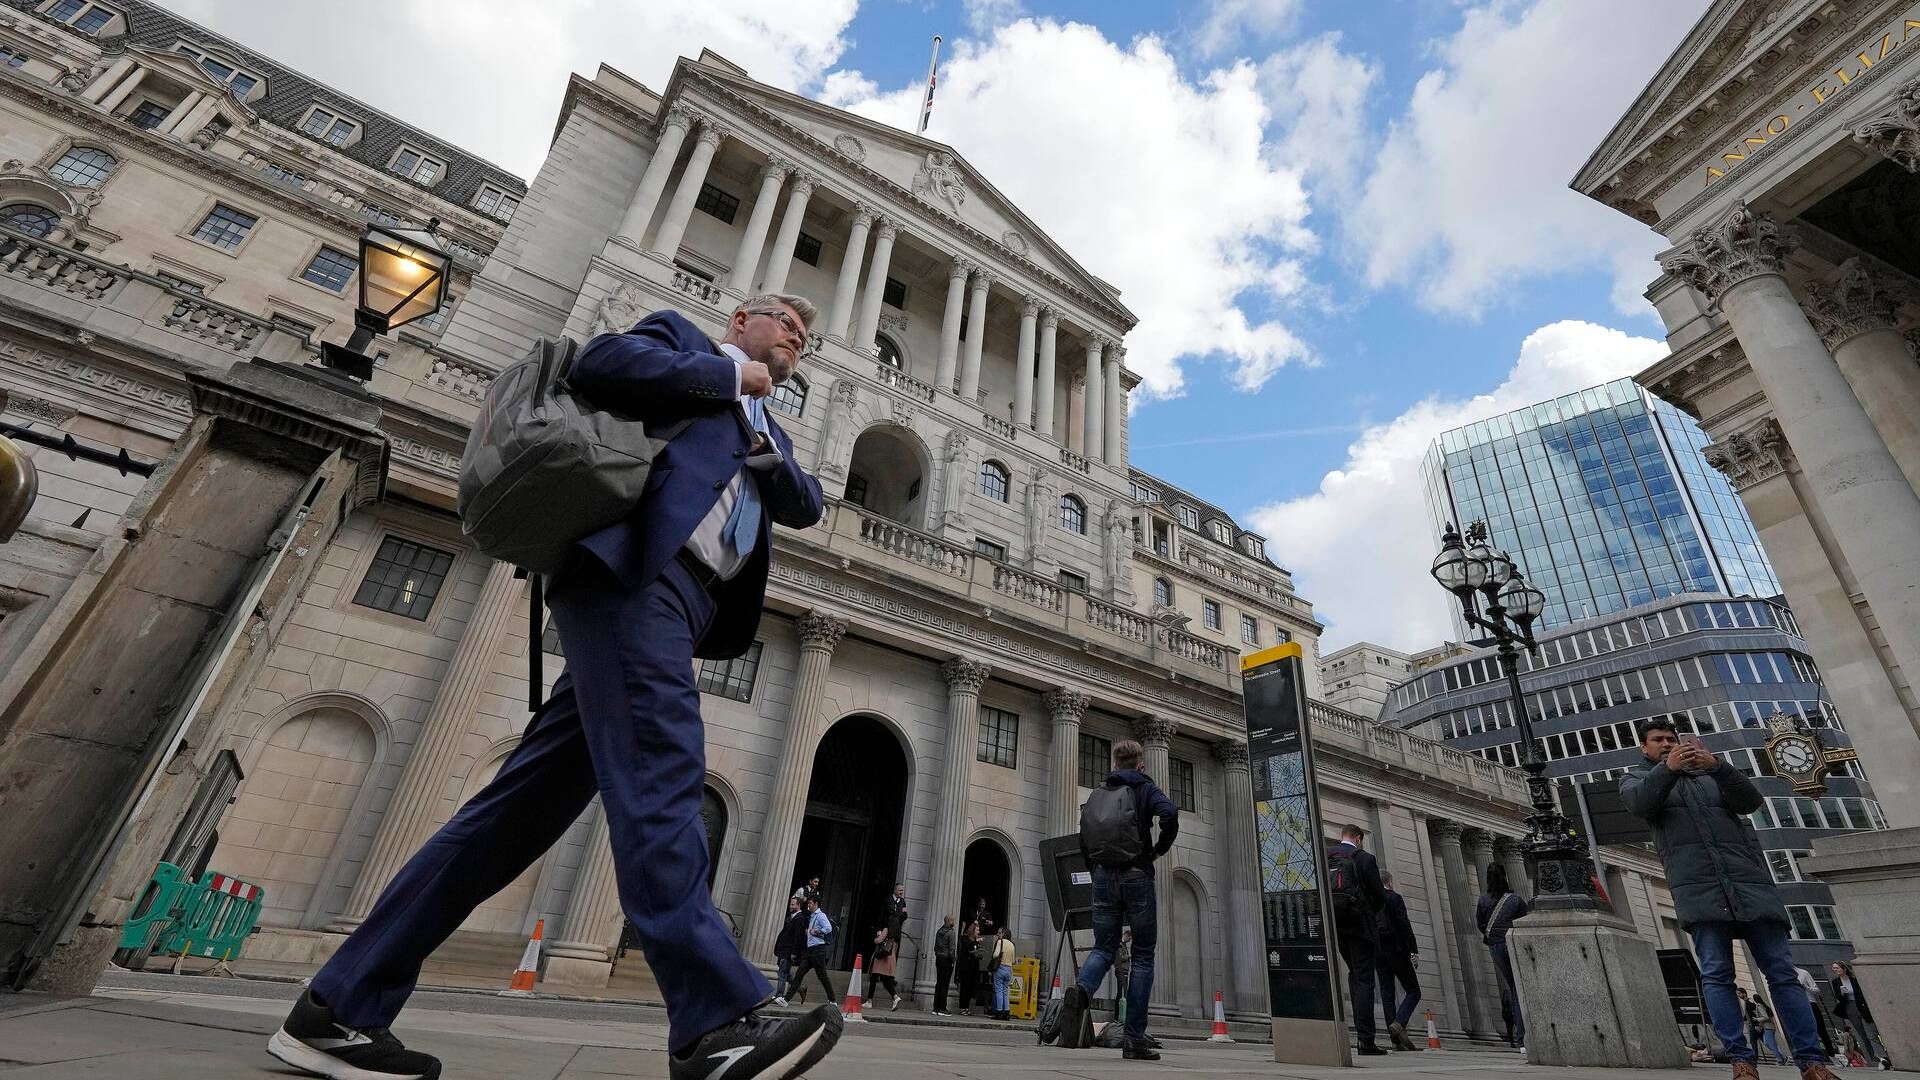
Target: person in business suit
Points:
(683, 576)
(1356, 913)
(1395, 960)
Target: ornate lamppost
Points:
(403, 277)
(1479, 575)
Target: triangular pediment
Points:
(932, 173)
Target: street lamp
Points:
(1476, 573)
(403, 277)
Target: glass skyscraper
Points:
(1604, 499)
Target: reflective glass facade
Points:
(1604, 499)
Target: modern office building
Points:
(1605, 500)
(1359, 677)
(1721, 668)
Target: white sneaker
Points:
(896, 1003)
(867, 1004)
(780, 1001)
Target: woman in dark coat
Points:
(1495, 915)
(966, 966)
(1850, 1005)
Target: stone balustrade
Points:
(914, 546)
(1198, 649)
(56, 267)
(1075, 461)
(1392, 747)
(998, 427)
(899, 380)
(215, 323)
(460, 380)
(1031, 588)
(1118, 620)
(697, 287)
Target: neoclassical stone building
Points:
(993, 598)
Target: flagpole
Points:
(926, 107)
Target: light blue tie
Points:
(743, 525)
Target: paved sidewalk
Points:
(202, 1030)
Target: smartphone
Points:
(1695, 742)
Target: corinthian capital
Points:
(1857, 301)
(960, 269)
(1894, 133)
(1065, 706)
(712, 132)
(1447, 830)
(680, 115)
(1232, 753)
(886, 229)
(1029, 307)
(965, 675)
(1715, 258)
(863, 214)
(777, 166)
(818, 630)
(1747, 457)
(803, 183)
(1506, 847)
(1049, 320)
(1154, 732)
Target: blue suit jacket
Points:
(662, 371)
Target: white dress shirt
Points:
(706, 542)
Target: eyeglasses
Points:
(787, 323)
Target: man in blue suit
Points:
(684, 576)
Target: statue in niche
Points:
(939, 176)
(840, 403)
(953, 468)
(1118, 526)
(1040, 510)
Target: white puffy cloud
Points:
(1319, 95)
(1468, 195)
(1161, 184)
(488, 75)
(1360, 546)
(1232, 24)
(984, 15)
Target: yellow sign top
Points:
(1270, 654)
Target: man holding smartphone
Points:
(1722, 889)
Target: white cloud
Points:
(1319, 96)
(1161, 184)
(1360, 545)
(984, 16)
(488, 75)
(1468, 195)
(1232, 24)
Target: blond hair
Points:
(801, 306)
(1127, 754)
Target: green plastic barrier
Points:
(218, 916)
(169, 891)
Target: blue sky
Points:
(1344, 225)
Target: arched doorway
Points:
(887, 475)
(850, 840)
(713, 814)
(1189, 945)
(987, 877)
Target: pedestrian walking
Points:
(1722, 888)
(946, 943)
(1395, 963)
(1116, 840)
(789, 948)
(967, 967)
(1850, 1005)
(682, 576)
(897, 911)
(1002, 973)
(1819, 1004)
(1495, 913)
(816, 959)
(1353, 881)
(880, 970)
(1759, 1018)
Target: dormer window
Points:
(82, 15)
(1255, 546)
(1143, 493)
(495, 202)
(329, 127)
(1189, 517)
(1221, 531)
(417, 166)
(221, 70)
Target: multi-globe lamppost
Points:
(1478, 574)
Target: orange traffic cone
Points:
(529, 969)
(850, 1011)
(1055, 996)
(1433, 1033)
(1219, 1020)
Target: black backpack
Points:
(1048, 1029)
(1110, 826)
(1343, 882)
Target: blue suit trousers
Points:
(624, 720)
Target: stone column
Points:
(1091, 405)
(1043, 403)
(781, 260)
(121, 93)
(410, 813)
(673, 227)
(1873, 510)
(752, 242)
(849, 282)
(1855, 316)
(202, 115)
(583, 954)
(1066, 708)
(653, 181)
(1478, 845)
(964, 678)
(1441, 972)
(104, 81)
(1506, 849)
(1023, 363)
(876, 291)
(949, 365)
(1461, 895)
(976, 337)
(1246, 939)
(793, 769)
(1155, 734)
(1113, 453)
(171, 125)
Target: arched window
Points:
(790, 397)
(35, 221)
(993, 480)
(1163, 592)
(1073, 515)
(84, 166)
(889, 351)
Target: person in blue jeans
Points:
(1002, 974)
(1123, 898)
(1722, 888)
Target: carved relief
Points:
(1760, 452)
(38, 409)
(939, 178)
(1041, 493)
(1116, 538)
(840, 403)
(1715, 258)
(1015, 242)
(1858, 300)
(618, 312)
(851, 147)
(1895, 133)
(955, 467)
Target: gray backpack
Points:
(1110, 826)
(544, 468)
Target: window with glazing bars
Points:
(1096, 760)
(806, 248)
(790, 397)
(225, 227)
(731, 678)
(1180, 784)
(999, 740)
(717, 203)
(404, 578)
(147, 115)
(83, 166)
(330, 269)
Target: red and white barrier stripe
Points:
(850, 1009)
(221, 883)
(1219, 1020)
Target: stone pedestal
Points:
(571, 967)
(1875, 877)
(1590, 989)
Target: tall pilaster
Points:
(964, 679)
(876, 291)
(1092, 402)
(976, 337)
(1116, 406)
(1246, 935)
(1043, 381)
(1855, 315)
(171, 125)
(1065, 708)
(1461, 895)
(1872, 509)
(746, 260)
(653, 181)
(581, 954)
(849, 281)
(410, 813)
(793, 769)
(1444, 975)
(1507, 851)
(118, 95)
(103, 82)
(673, 227)
(949, 364)
(1023, 362)
(781, 260)
(1156, 735)
(1478, 846)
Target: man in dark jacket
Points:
(946, 941)
(1358, 898)
(1722, 888)
(1123, 895)
(790, 947)
(1396, 960)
